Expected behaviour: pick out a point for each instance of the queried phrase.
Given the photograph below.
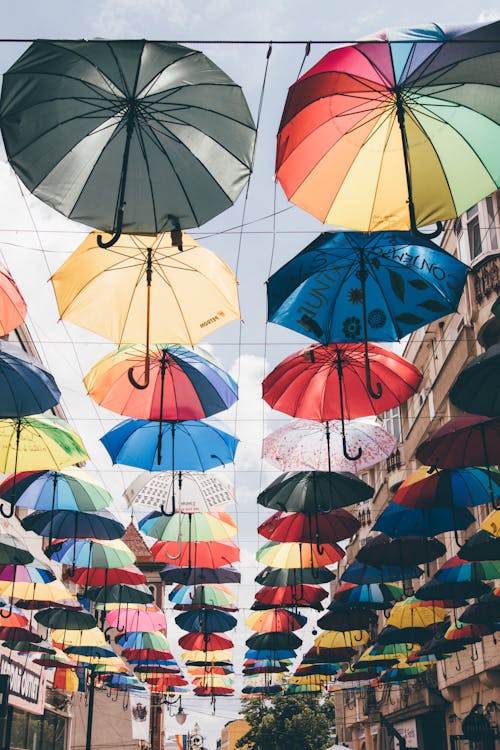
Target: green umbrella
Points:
(133, 135)
(64, 619)
(119, 593)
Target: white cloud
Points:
(488, 16)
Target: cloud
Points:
(488, 16)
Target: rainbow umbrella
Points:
(215, 595)
(402, 671)
(196, 554)
(71, 489)
(275, 621)
(456, 570)
(92, 554)
(298, 554)
(371, 136)
(195, 527)
(374, 595)
(138, 640)
(469, 486)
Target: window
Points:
(492, 223)
(392, 422)
(474, 232)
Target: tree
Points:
(294, 722)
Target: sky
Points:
(34, 240)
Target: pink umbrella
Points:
(12, 304)
(135, 620)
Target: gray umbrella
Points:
(132, 136)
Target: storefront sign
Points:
(140, 708)
(27, 682)
(408, 730)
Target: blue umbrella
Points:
(270, 654)
(71, 489)
(350, 286)
(206, 621)
(360, 573)
(26, 387)
(70, 524)
(397, 521)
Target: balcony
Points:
(486, 276)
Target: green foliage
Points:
(294, 722)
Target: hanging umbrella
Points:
(206, 621)
(298, 554)
(92, 637)
(157, 289)
(191, 445)
(183, 383)
(273, 641)
(13, 551)
(196, 554)
(347, 617)
(411, 634)
(27, 387)
(347, 286)
(73, 523)
(191, 597)
(147, 621)
(272, 654)
(456, 570)
(476, 388)
(404, 616)
(460, 632)
(319, 669)
(275, 621)
(301, 527)
(106, 576)
(199, 575)
(397, 520)
(371, 135)
(358, 572)
(314, 491)
(402, 672)
(435, 589)
(137, 655)
(71, 489)
(195, 527)
(302, 595)
(293, 576)
(13, 308)
(468, 486)
(151, 136)
(138, 640)
(92, 555)
(468, 440)
(302, 445)
(204, 642)
(38, 572)
(492, 523)
(360, 676)
(481, 546)
(119, 594)
(61, 619)
(331, 639)
(198, 492)
(375, 595)
(405, 551)
(19, 634)
(328, 382)
(486, 611)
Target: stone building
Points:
(428, 712)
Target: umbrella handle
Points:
(431, 235)
(5, 617)
(7, 515)
(133, 381)
(118, 232)
(344, 445)
(172, 512)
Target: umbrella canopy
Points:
(302, 445)
(73, 523)
(405, 551)
(485, 611)
(358, 572)
(411, 634)
(375, 595)
(404, 108)
(37, 595)
(277, 641)
(402, 671)
(455, 570)
(197, 492)
(193, 576)
(435, 589)
(118, 595)
(13, 551)
(204, 642)
(346, 617)
(151, 136)
(62, 619)
(184, 383)
(293, 576)
(347, 286)
(71, 489)
(26, 386)
(298, 554)
(397, 520)
(215, 595)
(341, 639)
(301, 595)
(325, 382)
(274, 621)
(481, 546)
(92, 555)
(314, 491)
(106, 576)
(469, 486)
(33, 443)
(156, 291)
(196, 554)
(147, 621)
(178, 446)
(13, 308)
(462, 441)
(38, 572)
(476, 388)
(196, 527)
(139, 640)
(403, 615)
(301, 527)
(206, 621)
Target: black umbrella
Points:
(391, 634)
(120, 593)
(447, 590)
(360, 573)
(486, 611)
(476, 388)
(149, 136)
(403, 551)
(64, 619)
(294, 576)
(195, 576)
(342, 617)
(276, 641)
(481, 546)
(314, 491)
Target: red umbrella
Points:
(210, 692)
(306, 595)
(302, 527)
(146, 654)
(196, 554)
(204, 642)
(468, 440)
(12, 305)
(275, 621)
(107, 576)
(324, 382)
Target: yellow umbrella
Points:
(311, 679)
(91, 637)
(146, 289)
(213, 681)
(54, 591)
(492, 523)
(341, 639)
(38, 443)
(407, 616)
(212, 656)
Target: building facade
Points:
(232, 732)
(429, 711)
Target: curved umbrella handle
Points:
(170, 513)
(358, 640)
(114, 239)
(7, 515)
(345, 449)
(9, 612)
(431, 235)
(133, 381)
